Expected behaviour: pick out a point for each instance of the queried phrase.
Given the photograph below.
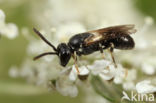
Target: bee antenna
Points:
(44, 54)
(44, 39)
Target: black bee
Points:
(117, 37)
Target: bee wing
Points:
(109, 32)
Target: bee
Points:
(114, 37)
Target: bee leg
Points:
(101, 50)
(111, 52)
(75, 62)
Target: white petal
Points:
(66, 88)
(83, 70)
(128, 85)
(148, 69)
(119, 74)
(106, 76)
(73, 91)
(108, 73)
(11, 30)
(149, 20)
(73, 74)
(132, 75)
(103, 68)
(98, 66)
(2, 16)
(145, 87)
(118, 80)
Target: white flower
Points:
(120, 74)
(148, 69)
(145, 86)
(108, 73)
(28, 71)
(106, 70)
(65, 31)
(10, 30)
(149, 20)
(65, 86)
(98, 66)
(14, 72)
(73, 74)
(2, 16)
(37, 47)
(128, 83)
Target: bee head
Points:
(64, 53)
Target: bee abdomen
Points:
(124, 43)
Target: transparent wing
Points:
(110, 33)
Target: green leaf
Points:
(108, 90)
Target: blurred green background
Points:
(12, 52)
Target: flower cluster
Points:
(133, 66)
(9, 30)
